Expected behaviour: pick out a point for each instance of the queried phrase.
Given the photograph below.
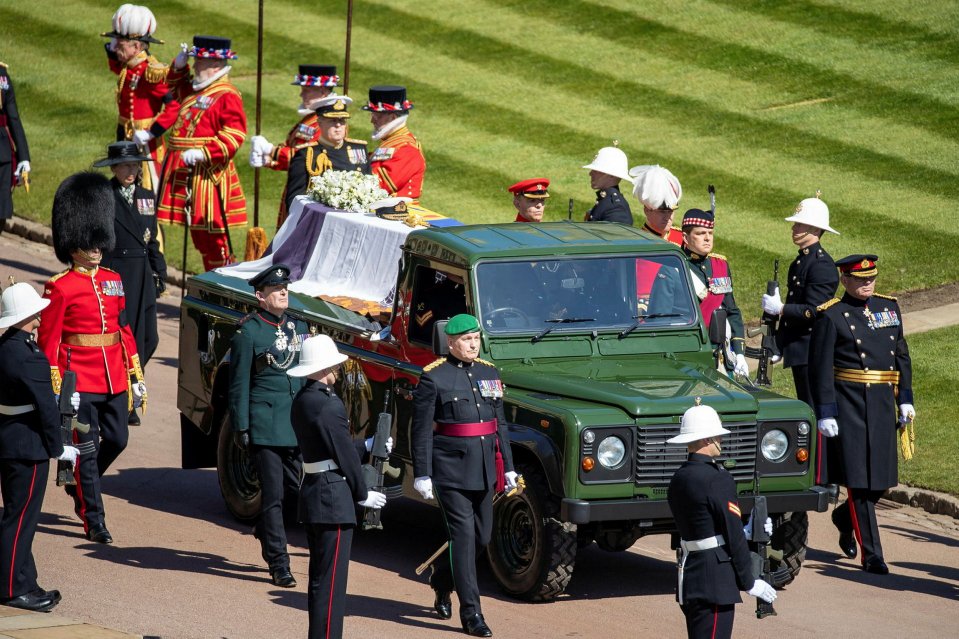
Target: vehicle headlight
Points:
(611, 452)
(803, 428)
(774, 445)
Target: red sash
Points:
(714, 300)
(466, 430)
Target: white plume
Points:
(656, 187)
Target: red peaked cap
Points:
(533, 187)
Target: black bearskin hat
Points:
(83, 212)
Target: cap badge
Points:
(864, 264)
(339, 105)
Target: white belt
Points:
(312, 468)
(17, 410)
(686, 547)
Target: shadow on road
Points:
(829, 565)
(152, 557)
(923, 536)
(44, 273)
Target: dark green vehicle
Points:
(598, 337)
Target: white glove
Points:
(192, 156)
(763, 590)
(748, 528)
(773, 304)
(906, 413)
(181, 58)
(511, 479)
(256, 160)
(75, 400)
(828, 427)
(22, 167)
(373, 500)
(741, 367)
(69, 454)
(142, 138)
(369, 444)
(139, 392)
(424, 486)
(261, 145)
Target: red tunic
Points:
(399, 164)
(305, 133)
(213, 120)
(84, 317)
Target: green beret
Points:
(462, 323)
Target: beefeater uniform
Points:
(398, 162)
(332, 485)
(211, 119)
(859, 370)
(459, 425)
(13, 143)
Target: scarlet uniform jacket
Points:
(811, 281)
(610, 206)
(313, 160)
(144, 99)
(25, 379)
(322, 430)
(90, 305)
(261, 393)
(702, 497)
(212, 120)
(454, 392)
(399, 164)
(306, 132)
(860, 335)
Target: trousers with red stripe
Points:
(329, 569)
(858, 515)
(23, 484)
(709, 621)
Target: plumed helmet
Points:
(134, 22)
(656, 187)
(83, 212)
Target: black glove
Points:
(242, 439)
(159, 284)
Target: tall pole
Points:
(259, 82)
(349, 39)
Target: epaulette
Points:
(58, 276)
(363, 142)
(156, 71)
(885, 297)
(433, 364)
(718, 256)
(109, 270)
(483, 361)
(823, 307)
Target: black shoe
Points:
(443, 605)
(133, 419)
(38, 601)
(876, 566)
(283, 578)
(475, 626)
(77, 504)
(100, 534)
(847, 543)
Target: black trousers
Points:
(279, 471)
(708, 621)
(469, 522)
(329, 570)
(108, 435)
(23, 484)
(861, 520)
(6, 195)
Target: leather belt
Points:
(466, 430)
(92, 339)
(865, 377)
(22, 409)
(702, 544)
(313, 468)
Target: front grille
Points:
(656, 461)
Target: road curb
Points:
(928, 500)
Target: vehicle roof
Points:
(470, 243)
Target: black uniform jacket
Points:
(311, 161)
(25, 379)
(137, 257)
(702, 496)
(610, 206)
(860, 335)
(322, 431)
(811, 281)
(702, 269)
(454, 392)
(11, 136)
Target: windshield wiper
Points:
(556, 322)
(641, 318)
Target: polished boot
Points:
(77, 504)
(443, 605)
(37, 601)
(133, 419)
(100, 534)
(847, 540)
(282, 577)
(876, 566)
(475, 626)
(847, 543)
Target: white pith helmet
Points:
(814, 212)
(611, 160)
(18, 302)
(317, 353)
(699, 422)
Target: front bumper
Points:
(578, 511)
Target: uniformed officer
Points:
(398, 162)
(607, 169)
(29, 438)
(85, 329)
(713, 280)
(459, 434)
(264, 346)
(332, 485)
(811, 281)
(136, 255)
(14, 152)
(529, 198)
(714, 560)
(660, 192)
(333, 150)
(859, 370)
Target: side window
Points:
(437, 295)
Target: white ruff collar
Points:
(381, 133)
(199, 86)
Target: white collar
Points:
(199, 86)
(381, 133)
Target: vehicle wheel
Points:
(790, 538)
(239, 483)
(531, 552)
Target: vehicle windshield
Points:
(577, 294)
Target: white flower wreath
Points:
(346, 190)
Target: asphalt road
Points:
(182, 568)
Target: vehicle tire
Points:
(531, 552)
(239, 483)
(790, 537)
